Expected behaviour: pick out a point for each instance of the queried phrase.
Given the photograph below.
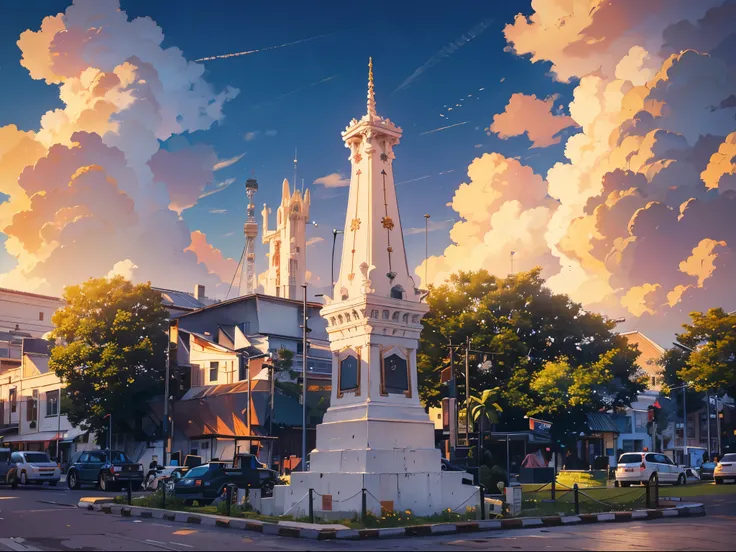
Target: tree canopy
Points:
(549, 356)
(711, 363)
(112, 352)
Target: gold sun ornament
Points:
(355, 224)
(387, 223)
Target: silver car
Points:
(36, 468)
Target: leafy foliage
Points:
(113, 352)
(485, 406)
(548, 356)
(712, 364)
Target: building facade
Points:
(27, 312)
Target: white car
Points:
(725, 469)
(35, 467)
(637, 467)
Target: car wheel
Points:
(681, 480)
(23, 478)
(626, 484)
(72, 480)
(148, 485)
(103, 484)
(13, 480)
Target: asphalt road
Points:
(48, 519)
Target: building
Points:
(27, 312)
(30, 405)
(287, 245)
(223, 360)
(182, 302)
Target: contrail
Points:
(443, 128)
(413, 180)
(304, 88)
(236, 54)
(445, 52)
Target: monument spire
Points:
(371, 94)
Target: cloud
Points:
(125, 268)
(432, 226)
(637, 219)
(252, 135)
(224, 163)
(333, 180)
(445, 52)
(211, 257)
(91, 192)
(315, 240)
(531, 116)
(217, 211)
(219, 187)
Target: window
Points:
(214, 369)
(13, 397)
(52, 404)
(397, 292)
(32, 410)
(96, 458)
(83, 458)
(654, 381)
(299, 347)
(40, 316)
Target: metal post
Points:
(453, 395)
(707, 411)
(166, 394)
(304, 384)
(109, 434)
(163, 496)
(508, 459)
(130, 492)
(363, 505)
(718, 429)
(467, 391)
(482, 502)
(552, 495)
(311, 506)
(684, 427)
(58, 429)
(229, 497)
(577, 498)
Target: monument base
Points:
(424, 493)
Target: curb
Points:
(266, 528)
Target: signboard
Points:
(348, 373)
(540, 426)
(513, 499)
(326, 503)
(395, 374)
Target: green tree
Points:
(711, 366)
(112, 352)
(541, 344)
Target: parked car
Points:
(109, 470)
(8, 472)
(725, 469)
(637, 467)
(207, 482)
(706, 470)
(36, 468)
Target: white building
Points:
(287, 247)
(27, 312)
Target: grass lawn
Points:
(701, 488)
(537, 502)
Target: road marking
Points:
(181, 544)
(159, 544)
(15, 544)
(184, 532)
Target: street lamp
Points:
(305, 329)
(684, 420)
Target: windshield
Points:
(117, 457)
(729, 458)
(630, 459)
(37, 457)
(199, 471)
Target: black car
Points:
(205, 483)
(8, 473)
(706, 470)
(109, 470)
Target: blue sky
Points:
(276, 95)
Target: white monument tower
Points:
(287, 244)
(376, 434)
(248, 276)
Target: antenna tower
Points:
(248, 276)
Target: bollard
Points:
(649, 494)
(482, 502)
(553, 488)
(577, 498)
(363, 505)
(311, 507)
(130, 492)
(163, 496)
(229, 497)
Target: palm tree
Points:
(484, 408)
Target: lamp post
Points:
(109, 431)
(684, 420)
(335, 232)
(58, 427)
(304, 379)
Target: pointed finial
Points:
(371, 96)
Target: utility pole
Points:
(452, 403)
(467, 391)
(718, 429)
(173, 339)
(304, 380)
(707, 413)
